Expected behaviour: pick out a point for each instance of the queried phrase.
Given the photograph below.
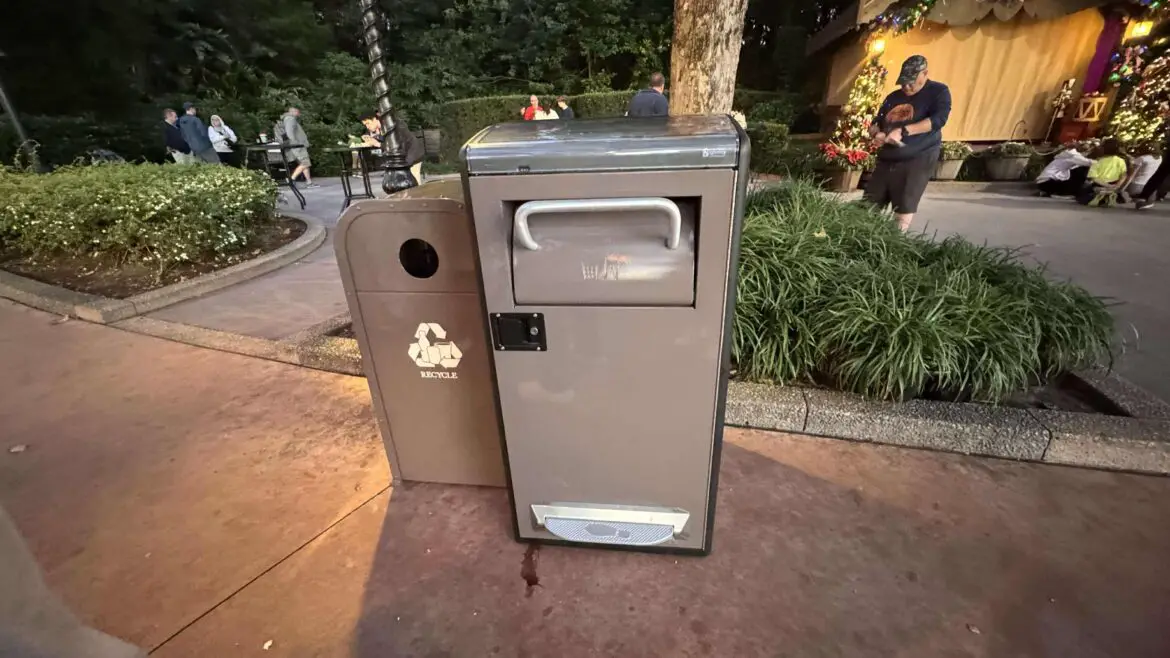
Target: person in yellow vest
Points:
(1106, 176)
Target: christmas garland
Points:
(902, 17)
(1139, 116)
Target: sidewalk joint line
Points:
(265, 572)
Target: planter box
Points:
(1000, 168)
(948, 169)
(842, 180)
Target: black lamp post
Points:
(397, 176)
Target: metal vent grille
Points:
(609, 532)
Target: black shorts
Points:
(901, 182)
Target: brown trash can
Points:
(608, 251)
(408, 267)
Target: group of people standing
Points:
(649, 102)
(189, 140)
(1105, 174)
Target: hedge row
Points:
(461, 119)
(62, 140)
(147, 213)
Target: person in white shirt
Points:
(1144, 165)
(1066, 174)
(222, 137)
(546, 115)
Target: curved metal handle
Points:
(524, 236)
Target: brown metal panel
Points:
(435, 410)
(441, 418)
(621, 408)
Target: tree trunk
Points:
(705, 54)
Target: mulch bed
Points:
(103, 275)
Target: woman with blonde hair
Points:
(222, 137)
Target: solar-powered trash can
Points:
(607, 252)
(410, 279)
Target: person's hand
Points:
(878, 139)
(896, 136)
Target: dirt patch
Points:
(105, 276)
(343, 332)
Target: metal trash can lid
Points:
(612, 144)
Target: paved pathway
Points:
(283, 302)
(204, 504)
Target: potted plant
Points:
(845, 165)
(951, 160)
(1007, 161)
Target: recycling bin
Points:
(413, 291)
(607, 252)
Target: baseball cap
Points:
(188, 105)
(913, 65)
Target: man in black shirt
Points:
(650, 102)
(908, 131)
(563, 109)
(176, 146)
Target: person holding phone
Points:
(907, 133)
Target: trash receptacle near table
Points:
(607, 251)
(409, 274)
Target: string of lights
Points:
(850, 138)
(1139, 116)
(902, 17)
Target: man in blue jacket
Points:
(195, 134)
(650, 102)
(908, 132)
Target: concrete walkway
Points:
(205, 504)
(283, 302)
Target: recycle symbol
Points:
(430, 349)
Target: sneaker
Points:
(311, 185)
(1142, 204)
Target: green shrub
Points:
(781, 111)
(160, 214)
(1010, 150)
(955, 151)
(798, 159)
(769, 146)
(64, 139)
(832, 292)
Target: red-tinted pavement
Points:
(160, 479)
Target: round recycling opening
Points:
(418, 258)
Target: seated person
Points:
(1066, 174)
(1106, 177)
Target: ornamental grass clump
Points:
(833, 293)
(161, 215)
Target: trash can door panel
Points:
(632, 408)
(623, 256)
(433, 381)
(410, 245)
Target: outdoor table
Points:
(365, 164)
(279, 168)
